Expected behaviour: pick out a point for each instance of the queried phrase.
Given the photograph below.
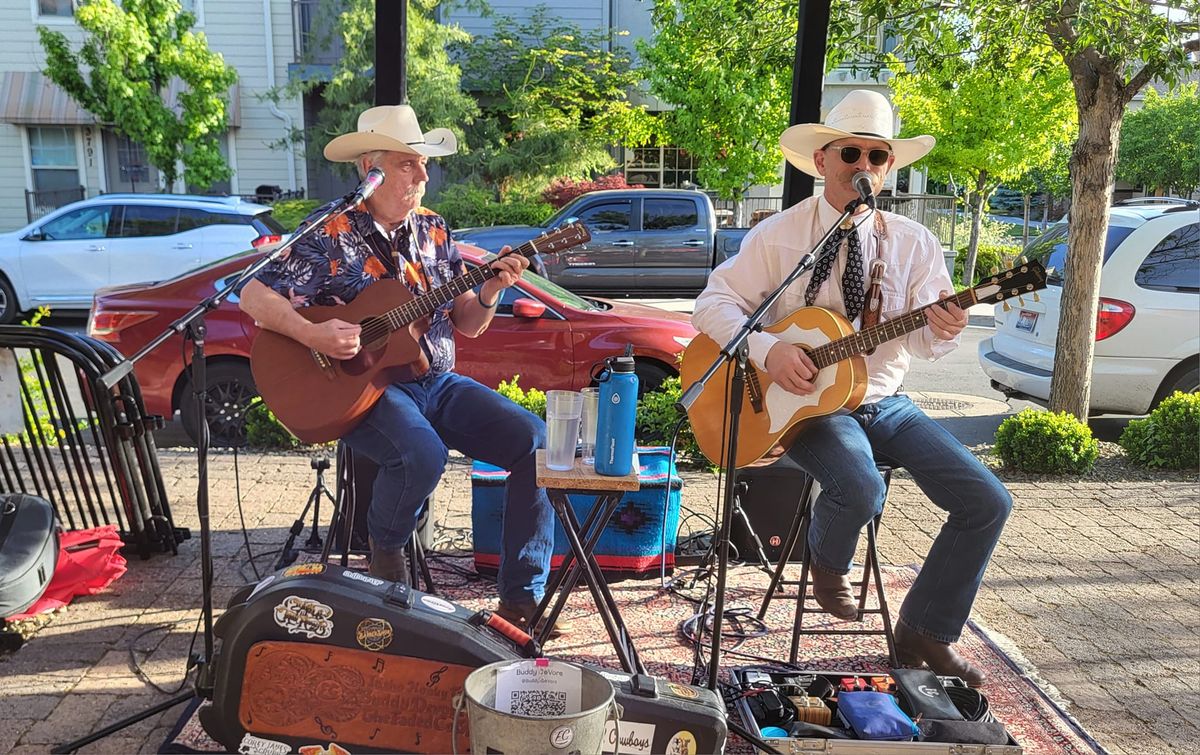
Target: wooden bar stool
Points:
(799, 533)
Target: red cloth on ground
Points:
(88, 562)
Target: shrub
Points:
(1170, 437)
(263, 430)
(532, 399)
(289, 212)
(987, 256)
(1041, 441)
(471, 203)
(563, 190)
(657, 417)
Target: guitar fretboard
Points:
(865, 340)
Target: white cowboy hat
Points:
(393, 128)
(862, 112)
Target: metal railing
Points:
(40, 203)
(87, 449)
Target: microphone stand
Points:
(737, 351)
(191, 326)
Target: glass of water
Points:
(587, 424)
(563, 410)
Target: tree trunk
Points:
(1046, 211)
(977, 198)
(1101, 106)
(1026, 200)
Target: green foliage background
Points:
(1034, 440)
(1170, 437)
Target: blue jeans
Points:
(408, 434)
(839, 451)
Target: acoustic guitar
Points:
(772, 416)
(320, 398)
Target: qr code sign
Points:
(536, 702)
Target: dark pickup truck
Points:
(644, 241)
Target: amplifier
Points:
(770, 502)
(318, 654)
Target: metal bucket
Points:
(493, 731)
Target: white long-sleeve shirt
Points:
(915, 275)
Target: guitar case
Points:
(28, 551)
(317, 655)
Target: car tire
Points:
(9, 308)
(650, 376)
(1187, 381)
(231, 391)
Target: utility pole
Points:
(808, 78)
(391, 52)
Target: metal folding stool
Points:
(798, 530)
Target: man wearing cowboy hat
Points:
(410, 429)
(839, 450)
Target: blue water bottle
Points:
(617, 412)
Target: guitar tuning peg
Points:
(1021, 300)
(1007, 307)
(1020, 259)
(995, 270)
(1036, 297)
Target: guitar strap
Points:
(878, 268)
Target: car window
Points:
(84, 223)
(608, 216)
(1051, 249)
(266, 224)
(553, 290)
(1174, 264)
(148, 220)
(191, 218)
(669, 214)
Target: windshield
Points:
(560, 216)
(1051, 249)
(553, 289)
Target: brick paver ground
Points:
(1094, 582)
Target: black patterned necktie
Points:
(853, 293)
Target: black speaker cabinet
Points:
(770, 502)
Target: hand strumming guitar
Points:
(790, 368)
(334, 338)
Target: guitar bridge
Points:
(323, 363)
(754, 389)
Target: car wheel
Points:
(1187, 381)
(231, 390)
(650, 377)
(8, 302)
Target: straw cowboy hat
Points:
(861, 113)
(393, 128)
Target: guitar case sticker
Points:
(300, 570)
(374, 634)
(437, 604)
(305, 616)
(252, 745)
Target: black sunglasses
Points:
(850, 155)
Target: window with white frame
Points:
(53, 160)
(131, 162)
(56, 8)
(660, 167)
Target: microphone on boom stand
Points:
(373, 180)
(863, 183)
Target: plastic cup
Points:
(587, 424)
(563, 411)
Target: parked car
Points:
(1148, 326)
(657, 241)
(542, 332)
(61, 259)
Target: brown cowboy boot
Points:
(833, 593)
(389, 564)
(520, 613)
(912, 649)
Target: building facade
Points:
(53, 152)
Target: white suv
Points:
(61, 259)
(1148, 327)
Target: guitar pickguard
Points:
(782, 404)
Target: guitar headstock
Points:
(1024, 278)
(561, 239)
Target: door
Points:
(676, 245)
(67, 258)
(598, 265)
(147, 247)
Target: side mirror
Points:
(530, 309)
(34, 235)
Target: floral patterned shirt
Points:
(338, 261)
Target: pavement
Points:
(1093, 585)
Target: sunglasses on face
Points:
(850, 155)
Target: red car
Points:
(542, 332)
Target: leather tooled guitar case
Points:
(319, 656)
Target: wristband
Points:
(479, 299)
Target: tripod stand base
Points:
(183, 697)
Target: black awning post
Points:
(391, 45)
(808, 76)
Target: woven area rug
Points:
(654, 617)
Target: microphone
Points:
(862, 183)
(368, 186)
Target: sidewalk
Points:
(1094, 582)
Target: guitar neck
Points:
(428, 303)
(863, 341)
